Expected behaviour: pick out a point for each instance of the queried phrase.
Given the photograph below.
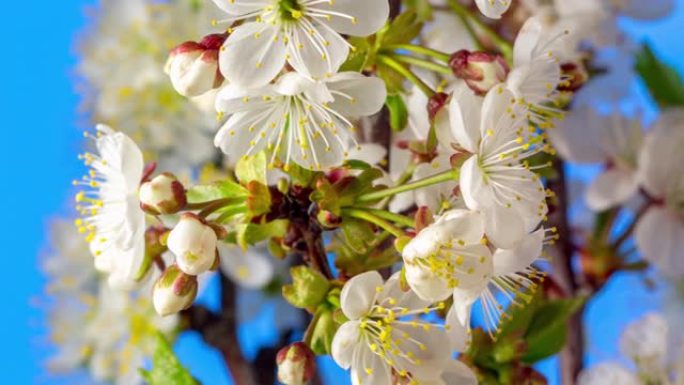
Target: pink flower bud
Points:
(164, 194)
(296, 364)
(480, 70)
(174, 291)
(436, 103)
(193, 67)
(194, 243)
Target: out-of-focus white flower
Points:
(123, 53)
(608, 374)
(536, 72)
(304, 33)
(298, 120)
(194, 243)
(81, 311)
(250, 269)
(193, 67)
(659, 234)
(447, 33)
(493, 9)
(496, 178)
(112, 217)
(615, 140)
(379, 340)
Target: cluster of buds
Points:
(193, 67)
(193, 241)
(480, 70)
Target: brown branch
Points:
(220, 331)
(572, 355)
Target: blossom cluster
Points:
(392, 243)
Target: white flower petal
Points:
(536, 81)
(458, 319)
(365, 16)
(371, 153)
(405, 299)
(458, 373)
(477, 194)
(508, 261)
(611, 188)
(356, 95)
(345, 342)
(369, 369)
(240, 7)
(293, 83)
(660, 238)
(318, 54)
(504, 226)
(359, 293)
(646, 340)
(465, 109)
(526, 42)
(425, 284)
(252, 55)
(464, 225)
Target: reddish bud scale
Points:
(436, 103)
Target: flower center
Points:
(451, 264)
(290, 10)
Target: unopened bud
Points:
(193, 242)
(164, 194)
(193, 67)
(328, 220)
(174, 291)
(436, 103)
(296, 364)
(480, 70)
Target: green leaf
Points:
(397, 111)
(663, 82)
(323, 332)
(403, 29)
(308, 289)
(214, 191)
(360, 56)
(166, 369)
(252, 168)
(253, 233)
(259, 199)
(546, 333)
(422, 8)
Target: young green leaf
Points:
(214, 191)
(252, 168)
(166, 369)
(663, 82)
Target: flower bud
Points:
(296, 364)
(328, 220)
(193, 67)
(308, 288)
(194, 243)
(480, 70)
(174, 291)
(164, 194)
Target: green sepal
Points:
(308, 289)
(253, 233)
(215, 191)
(398, 112)
(259, 199)
(252, 168)
(323, 332)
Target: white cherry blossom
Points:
(381, 338)
(110, 208)
(659, 234)
(297, 119)
(493, 9)
(536, 73)
(608, 374)
(496, 178)
(307, 34)
(614, 140)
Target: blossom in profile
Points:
(110, 211)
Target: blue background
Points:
(41, 137)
